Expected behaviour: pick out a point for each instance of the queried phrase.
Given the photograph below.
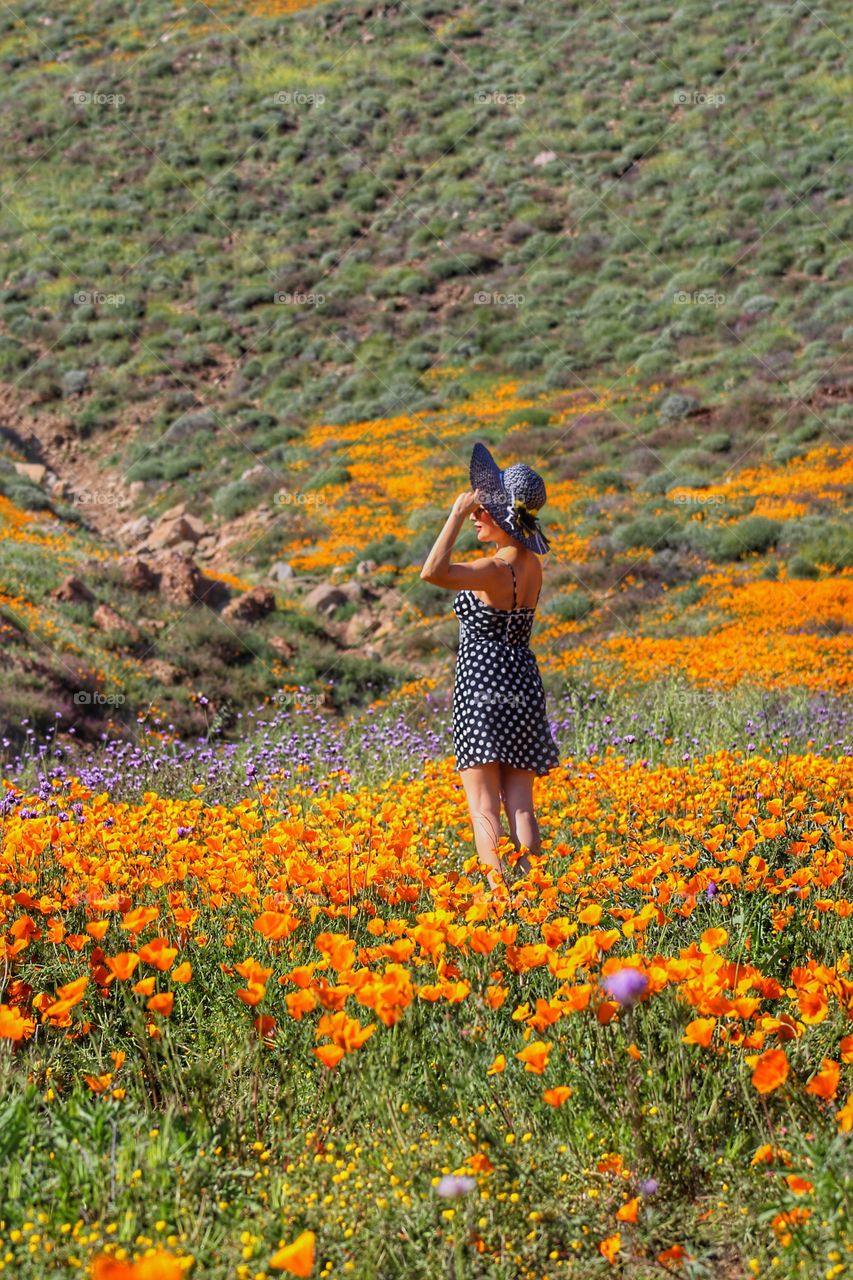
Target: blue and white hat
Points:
(512, 497)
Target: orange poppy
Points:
(557, 1096)
(162, 1003)
(770, 1070)
(824, 1084)
(610, 1247)
(629, 1210)
(296, 1258)
(535, 1056)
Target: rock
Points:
(365, 566)
(138, 574)
(108, 619)
(543, 158)
(168, 533)
(134, 531)
(281, 647)
(182, 582)
(185, 547)
(136, 488)
(197, 527)
(281, 571)
(152, 625)
(32, 470)
(174, 512)
(72, 590)
(258, 472)
(359, 626)
(165, 672)
(325, 599)
(358, 592)
(251, 606)
(60, 490)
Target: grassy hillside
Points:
(285, 264)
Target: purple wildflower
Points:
(452, 1185)
(626, 986)
(648, 1186)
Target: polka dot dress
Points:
(499, 711)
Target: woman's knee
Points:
(518, 799)
(488, 819)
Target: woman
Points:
(501, 733)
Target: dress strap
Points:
(512, 571)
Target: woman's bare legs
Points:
(482, 783)
(517, 794)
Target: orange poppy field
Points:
(289, 1031)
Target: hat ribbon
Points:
(524, 518)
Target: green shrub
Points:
(235, 498)
(747, 537)
(527, 417)
(148, 468)
(677, 406)
(23, 493)
(832, 546)
(332, 475)
(787, 450)
(655, 531)
(389, 550)
(657, 482)
(801, 567)
(572, 605)
(808, 430)
(14, 356)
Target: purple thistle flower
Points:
(452, 1185)
(626, 986)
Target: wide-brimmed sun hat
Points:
(512, 497)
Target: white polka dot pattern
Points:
(498, 710)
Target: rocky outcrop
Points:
(181, 581)
(106, 618)
(281, 571)
(174, 527)
(325, 599)
(33, 471)
(164, 672)
(72, 590)
(138, 574)
(251, 606)
(281, 647)
(134, 531)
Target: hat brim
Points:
(487, 476)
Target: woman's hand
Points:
(466, 503)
